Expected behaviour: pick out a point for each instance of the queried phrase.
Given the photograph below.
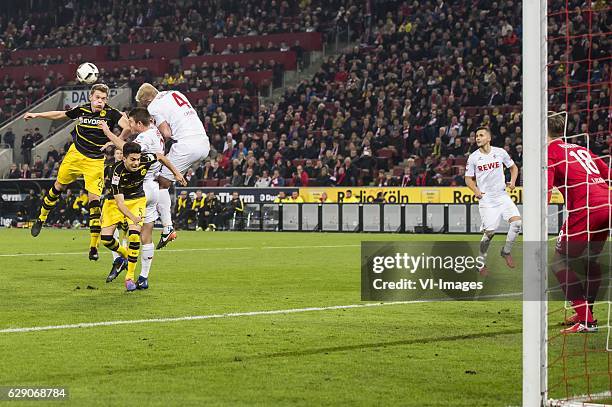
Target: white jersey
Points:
(489, 172)
(173, 108)
(151, 141)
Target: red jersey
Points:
(578, 174)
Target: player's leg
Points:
(490, 217)
(93, 175)
(49, 202)
(569, 247)
(146, 235)
(183, 156)
(111, 217)
(511, 215)
(137, 207)
(68, 172)
(599, 227)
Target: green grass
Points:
(434, 354)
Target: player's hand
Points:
(105, 146)
(29, 115)
(478, 194)
(510, 186)
(104, 126)
(136, 220)
(181, 180)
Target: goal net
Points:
(567, 72)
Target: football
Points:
(87, 73)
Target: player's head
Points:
(145, 94)
(131, 155)
(140, 119)
(483, 136)
(98, 96)
(556, 125)
(118, 154)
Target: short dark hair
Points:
(131, 148)
(140, 114)
(485, 128)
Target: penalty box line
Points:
(197, 249)
(233, 315)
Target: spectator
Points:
(9, 138)
(249, 178)
(25, 171)
(14, 172)
(349, 198)
(277, 180)
(264, 181)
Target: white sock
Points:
(484, 244)
(146, 258)
(164, 208)
(116, 236)
(513, 232)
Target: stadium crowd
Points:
(399, 109)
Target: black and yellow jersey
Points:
(87, 136)
(129, 183)
(197, 203)
(108, 175)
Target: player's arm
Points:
(470, 182)
(177, 175)
(50, 115)
(514, 172)
(165, 130)
(126, 130)
(117, 141)
(470, 179)
(119, 199)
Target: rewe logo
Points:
(488, 166)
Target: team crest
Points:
(102, 113)
(143, 171)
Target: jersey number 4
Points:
(585, 160)
(179, 100)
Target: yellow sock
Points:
(123, 251)
(133, 251)
(94, 223)
(49, 202)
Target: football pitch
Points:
(241, 319)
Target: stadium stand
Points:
(399, 108)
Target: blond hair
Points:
(146, 92)
(556, 124)
(99, 87)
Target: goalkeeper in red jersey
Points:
(583, 179)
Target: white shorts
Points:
(185, 153)
(151, 189)
(492, 215)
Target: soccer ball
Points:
(87, 73)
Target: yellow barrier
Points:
(408, 194)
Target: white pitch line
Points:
(229, 315)
(197, 249)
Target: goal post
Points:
(535, 219)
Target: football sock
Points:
(572, 287)
(163, 206)
(113, 244)
(484, 244)
(94, 223)
(593, 281)
(49, 202)
(513, 232)
(147, 258)
(133, 251)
